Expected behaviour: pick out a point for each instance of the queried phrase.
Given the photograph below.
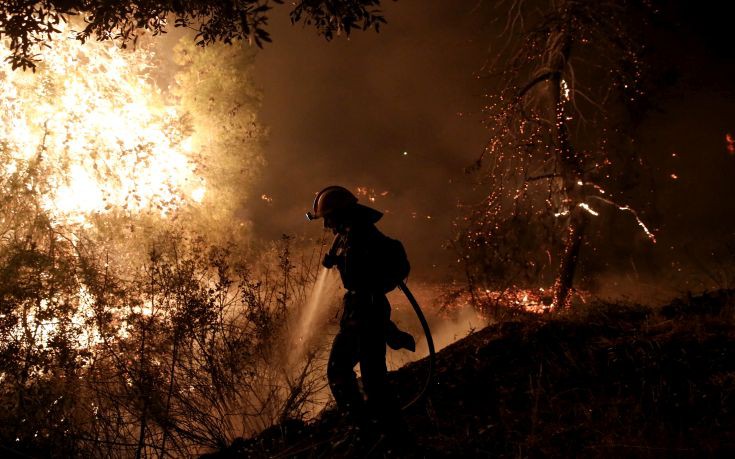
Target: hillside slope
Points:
(617, 381)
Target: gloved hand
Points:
(396, 338)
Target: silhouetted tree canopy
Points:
(26, 25)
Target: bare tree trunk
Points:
(568, 160)
(568, 266)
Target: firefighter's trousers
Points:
(361, 339)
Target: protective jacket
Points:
(369, 261)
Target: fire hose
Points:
(429, 341)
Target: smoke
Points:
(400, 112)
(314, 321)
(464, 322)
(447, 325)
(393, 112)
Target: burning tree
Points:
(130, 323)
(571, 81)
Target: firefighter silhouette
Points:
(370, 265)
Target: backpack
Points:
(396, 264)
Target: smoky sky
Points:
(400, 112)
(395, 111)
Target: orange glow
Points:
(107, 137)
(529, 300)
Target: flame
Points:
(94, 117)
(44, 327)
(529, 300)
(103, 137)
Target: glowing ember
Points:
(97, 123)
(632, 211)
(589, 209)
(730, 141)
(565, 89)
(369, 193)
(529, 300)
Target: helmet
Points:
(331, 199)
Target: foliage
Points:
(112, 149)
(215, 88)
(334, 17)
(28, 26)
(99, 125)
(188, 353)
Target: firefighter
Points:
(370, 265)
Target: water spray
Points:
(324, 285)
(309, 313)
